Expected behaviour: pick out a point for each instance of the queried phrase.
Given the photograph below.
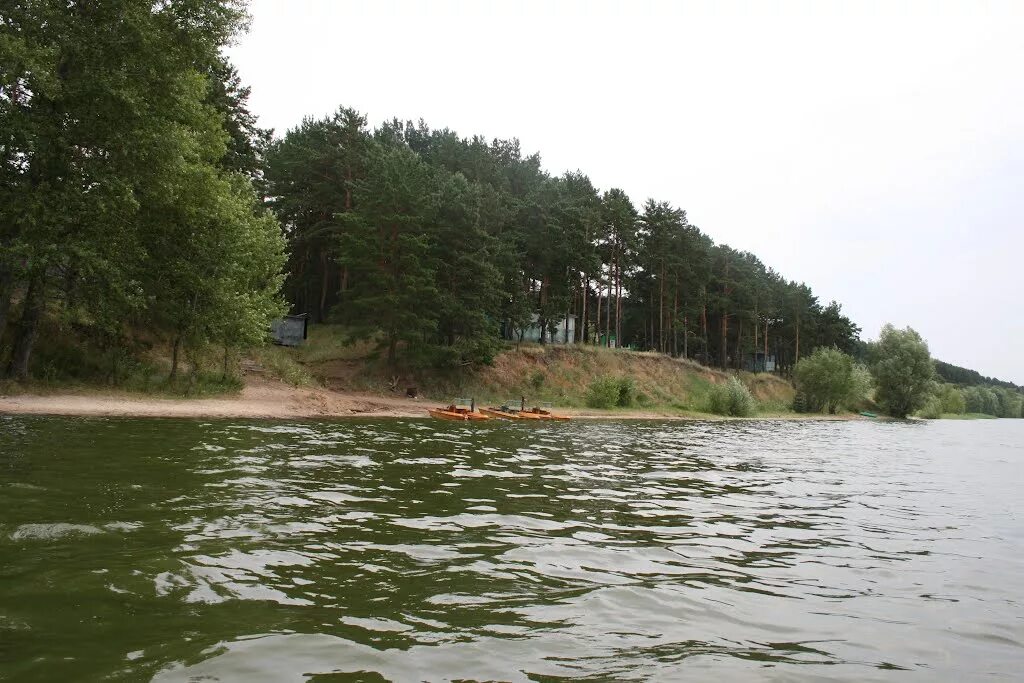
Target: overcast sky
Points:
(872, 150)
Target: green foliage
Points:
(825, 378)
(955, 374)
(503, 246)
(951, 399)
(603, 393)
(994, 401)
(1009, 402)
(932, 408)
(903, 370)
(731, 398)
(281, 364)
(626, 392)
(387, 250)
(123, 194)
(974, 400)
(537, 380)
(862, 386)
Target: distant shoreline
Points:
(270, 399)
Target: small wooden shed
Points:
(290, 330)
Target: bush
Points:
(974, 400)
(862, 386)
(952, 399)
(603, 393)
(932, 409)
(731, 398)
(825, 378)
(1008, 402)
(627, 392)
(989, 401)
(280, 363)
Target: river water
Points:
(411, 550)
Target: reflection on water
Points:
(414, 550)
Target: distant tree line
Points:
(438, 242)
(954, 374)
(901, 378)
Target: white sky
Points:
(874, 150)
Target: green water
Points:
(408, 550)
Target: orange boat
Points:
(544, 413)
(445, 414)
(509, 413)
(462, 409)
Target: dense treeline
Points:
(441, 242)
(126, 168)
(954, 374)
(967, 391)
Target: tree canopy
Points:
(126, 166)
(501, 245)
(903, 370)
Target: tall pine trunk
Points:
(675, 318)
(323, 286)
(650, 322)
(686, 336)
(608, 312)
(618, 304)
(723, 349)
(738, 361)
(392, 350)
(661, 308)
(6, 293)
(597, 319)
(757, 319)
(797, 359)
(28, 328)
(704, 323)
(175, 355)
(582, 332)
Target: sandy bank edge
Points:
(267, 399)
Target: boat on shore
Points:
(461, 409)
(544, 412)
(508, 412)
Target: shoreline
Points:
(266, 399)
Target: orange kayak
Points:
(509, 415)
(456, 413)
(442, 414)
(540, 413)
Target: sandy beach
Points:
(271, 399)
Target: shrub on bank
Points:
(603, 393)
(952, 399)
(731, 398)
(608, 392)
(932, 409)
(627, 392)
(828, 380)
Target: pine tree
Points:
(388, 247)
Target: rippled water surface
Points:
(411, 550)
